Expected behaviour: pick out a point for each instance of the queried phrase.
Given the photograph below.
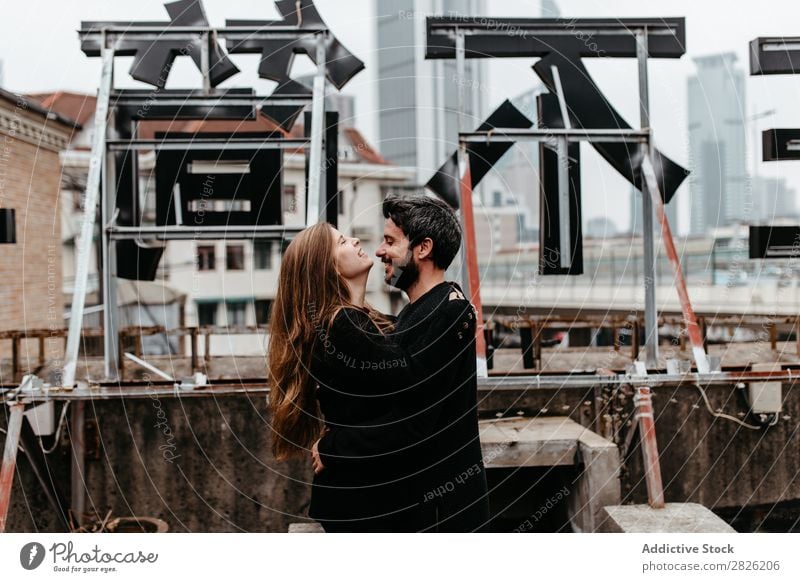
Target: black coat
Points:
(429, 438)
(359, 371)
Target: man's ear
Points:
(424, 249)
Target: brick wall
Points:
(30, 270)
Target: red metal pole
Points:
(680, 283)
(471, 251)
(647, 431)
(15, 419)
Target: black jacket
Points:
(359, 371)
(429, 437)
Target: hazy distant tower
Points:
(417, 98)
(717, 150)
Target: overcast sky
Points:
(40, 52)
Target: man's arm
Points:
(414, 415)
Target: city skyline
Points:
(35, 68)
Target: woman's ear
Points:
(424, 249)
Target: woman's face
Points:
(350, 259)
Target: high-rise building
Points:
(717, 150)
(773, 200)
(549, 9)
(637, 218)
(418, 98)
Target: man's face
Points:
(396, 257)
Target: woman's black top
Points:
(359, 372)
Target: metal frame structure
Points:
(652, 202)
(651, 197)
(105, 141)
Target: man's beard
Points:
(404, 274)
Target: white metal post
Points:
(316, 164)
(565, 243)
(461, 71)
(648, 235)
(84, 248)
(470, 277)
(108, 205)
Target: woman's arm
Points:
(354, 349)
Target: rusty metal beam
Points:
(647, 430)
(15, 419)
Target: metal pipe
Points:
(647, 430)
(108, 206)
(212, 232)
(470, 275)
(77, 438)
(205, 64)
(15, 418)
(316, 166)
(698, 349)
(84, 248)
(549, 135)
(207, 144)
(149, 367)
(648, 236)
(515, 383)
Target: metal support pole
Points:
(470, 276)
(85, 243)
(15, 419)
(647, 429)
(108, 205)
(316, 165)
(205, 62)
(461, 71)
(648, 236)
(526, 341)
(698, 349)
(565, 254)
(78, 462)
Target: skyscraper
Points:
(418, 98)
(717, 151)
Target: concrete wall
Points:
(200, 464)
(223, 478)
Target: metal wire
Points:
(727, 416)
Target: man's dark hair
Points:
(421, 217)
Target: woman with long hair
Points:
(332, 362)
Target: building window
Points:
(290, 198)
(207, 313)
(234, 258)
(236, 312)
(206, 258)
(263, 307)
(262, 254)
(497, 199)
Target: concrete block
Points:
(674, 518)
(305, 528)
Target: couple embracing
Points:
(386, 406)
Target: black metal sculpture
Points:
(776, 56)
(200, 188)
(446, 182)
(564, 49)
(277, 56)
(153, 59)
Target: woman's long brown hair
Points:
(310, 294)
